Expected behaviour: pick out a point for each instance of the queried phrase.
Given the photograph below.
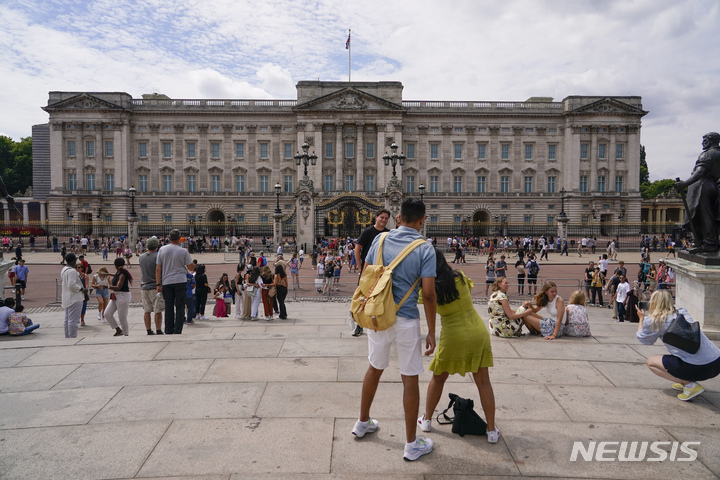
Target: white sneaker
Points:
(424, 425)
(421, 446)
(99, 316)
(493, 436)
(361, 428)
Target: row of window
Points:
(191, 150)
(349, 183)
(90, 148)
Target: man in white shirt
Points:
(621, 296)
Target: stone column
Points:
(633, 158)
(315, 173)
(360, 158)
(43, 216)
(6, 211)
(381, 148)
(611, 161)
(26, 213)
(593, 159)
(132, 229)
(339, 156)
(277, 229)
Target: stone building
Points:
(219, 160)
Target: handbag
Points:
(683, 335)
(250, 289)
(465, 420)
(272, 291)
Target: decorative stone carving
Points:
(300, 126)
(179, 127)
(305, 203)
(541, 130)
(276, 128)
(310, 140)
(380, 126)
(389, 141)
(349, 101)
(154, 127)
(494, 130)
(58, 126)
(518, 130)
(203, 127)
(447, 129)
(227, 127)
(251, 128)
(423, 129)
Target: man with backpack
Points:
(533, 269)
(418, 267)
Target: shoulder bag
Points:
(465, 420)
(683, 335)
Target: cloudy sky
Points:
(666, 51)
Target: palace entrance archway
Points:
(345, 215)
(215, 221)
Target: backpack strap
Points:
(396, 261)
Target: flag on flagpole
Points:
(347, 44)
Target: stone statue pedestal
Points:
(4, 267)
(698, 291)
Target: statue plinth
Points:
(701, 258)
(698, 290)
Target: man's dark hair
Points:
(381, 211)
(412, 210)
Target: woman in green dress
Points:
(464, 345)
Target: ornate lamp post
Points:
(306, 160)
(394, 159)
(277, 216)
(563, 219)
(132, 219)
(421, 187)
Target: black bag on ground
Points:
(465, 421)
(683, 335)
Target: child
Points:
(576, 321)
(336, 276)
(219, 297)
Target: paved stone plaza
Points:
(233, 399)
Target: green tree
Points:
(658, 187)
(16, 164)
(644, 170)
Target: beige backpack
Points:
(373, 305)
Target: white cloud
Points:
(662, 50)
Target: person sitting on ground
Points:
(503, 321)
(681, 367)
(549, 326)
(576, 317)
(464, 345)
(6, 309)
(19, 323)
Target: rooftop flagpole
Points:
(349, 49)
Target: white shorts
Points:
(151, 302)
(405, 334)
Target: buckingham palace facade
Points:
(219, 160)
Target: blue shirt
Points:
(21, 272)
(419, 264)
(708, 352)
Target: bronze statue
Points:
(702, 206)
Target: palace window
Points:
(481, 151)
(619, 183)
(481, 184)
(584, 151)
(215, 183)
(167, 149)
(288, 183)
(167, 183)
(602, 148)
(329, 183)
(619, 151)
(434, 151)
(143, 182)
(410, 149)
(505, 151)
(349, 183)
(239, 183)
(90, 181)
(142, 150)
(71, 148)
(90, 148)
(551, 152)
(168, 219)
(457, 184)
(239, 150)
(583, 183)
(109, 182)
(434, 184)
(551, 184)
(370, 150)
(264, 150)
(601, 183)
(369, 183)
(191, 149)
(287, 150)
(527, 219)
(328, 150)
(528, 152)
(528, 184)
(109, 148)
(349, 150)
(215, 149)
(264, 183)
(504, 184)
(72, 181)
(458, 151)
(551, 219)
(192, 183)
(410, 184)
